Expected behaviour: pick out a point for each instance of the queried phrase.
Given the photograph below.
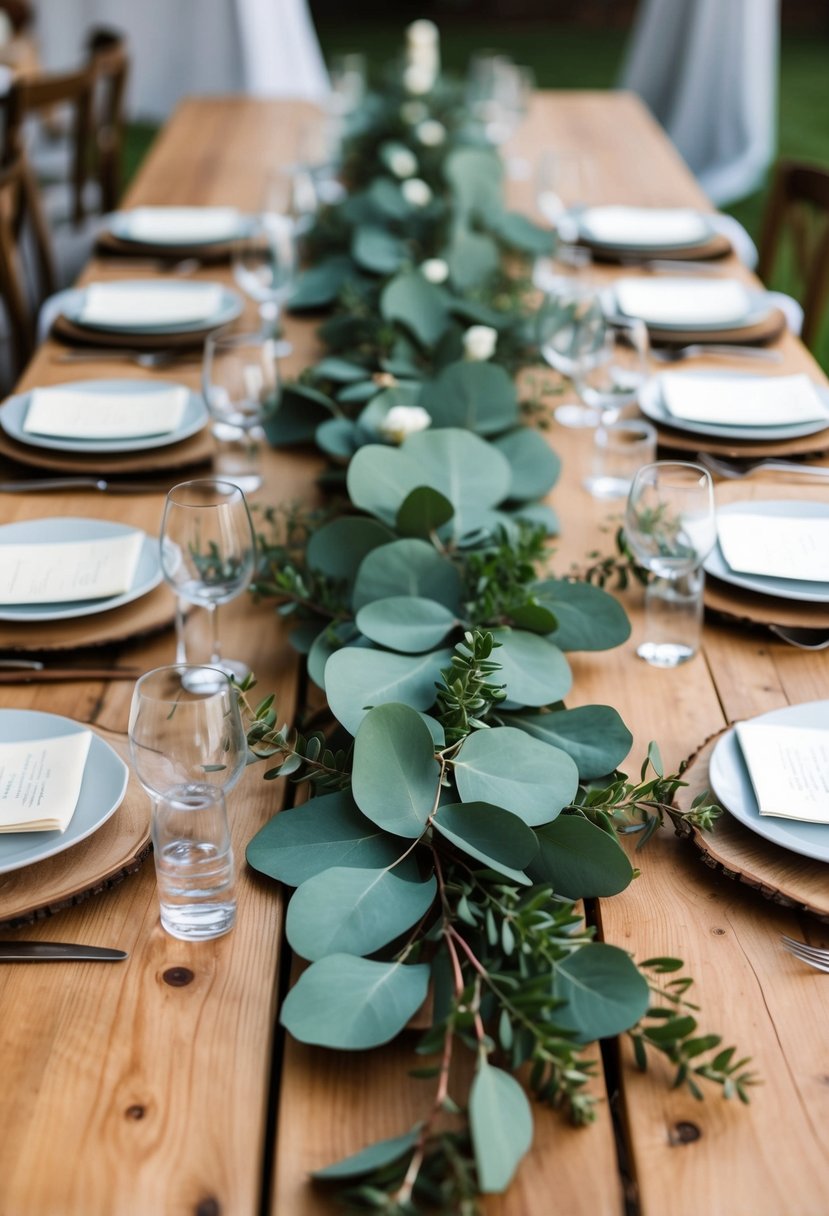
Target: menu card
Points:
(123, 305)
(40, 782)
(683, 301)
(69, 570)
(789, 769)
(743, 400)
(182, 225)
(778, 546)
(652, 227)
(74, 414)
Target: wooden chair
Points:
(799, 208)
(24, 239)
(109, 65)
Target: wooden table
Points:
(162, 1085)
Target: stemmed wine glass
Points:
(571, 336)
(611, 381)
(208, 552)
(670, 525)
(265, 264)
(565, 182)
(242, 388)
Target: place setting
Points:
(641, 235)
(204, 234)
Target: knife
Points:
(43, 952)
(11, 674)
(81, 483)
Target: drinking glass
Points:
(242, 388)
(208, 552)
(194, 863)
(499, 93)
(571, 335)
(610, 382)
(565, 182)
(670, 526)
(620, 449)
(265, 264)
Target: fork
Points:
(733, 472)
(675, 354)
(150, 359)
(814, 956)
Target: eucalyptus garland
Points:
(459, 810)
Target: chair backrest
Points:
(799, 205)
(21, 220)
(109, 65)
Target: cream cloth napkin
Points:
(683, 301)
(650, 227)
(182, 225)
(119, 305)
(775, 546)
(40, 782)
(789, 769)
(69, 570)
(743, 400)
(73, 414)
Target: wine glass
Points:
(242, 388)
(670, 525)
(609, 383)
(208, 552)
(265, 264)
(185, 730)
(565, 182)
(571, 335)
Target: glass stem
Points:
(215, 645)
(181, 638)
(269, 319)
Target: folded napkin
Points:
(743, 400)
(77, 414)
(117, 305)
(648, 227)
(789, 769)
(776, 546)
(40, 782)
(68, 571)
(181, 225)
(683, 301)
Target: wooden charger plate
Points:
(197, 449)
(65, 330)
(776, 873)
(736, 449)
(768, 329)
(95, 864)
(110, 245)
(718, 246)
(752, 606)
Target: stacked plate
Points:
(145, 313)
(620, 233)
(175, 232)
(681, 310)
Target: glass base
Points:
(665, 654)
(209, 678)
(575, 416)
(607, 488)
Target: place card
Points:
(118, 305)
(649, 227)
(182, 225)
(777, 546)
(40, 782)
(789, 769)
(743, 400)
(69, 570)
(67, 413)
(678, 301)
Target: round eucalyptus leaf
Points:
(510, 769)
(535, 617)
(594, 735)
(496, 837)
(520, 233)
(476, 396)
(501, 1125)
(472, 258)
(406, 622)
(532, 667)
(417, 304)
(327, 642)
(470, 472)
(423, 511)
(341, 371)
(380, 477)
(475, 177)
(604, 991)
(357, 679)
(579, 860)
(327, 831)
(320, 286)
(338, 438)
(407, 567)
(395, 775)
(351, 911)
(534, 465)
(374, 1157)
(588, 617)
(358, 393)
(301, 410)
(538, 513)
(338, 547)
(386, 200)
(353, 1003)
(378, 250)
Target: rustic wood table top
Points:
(161, 1085)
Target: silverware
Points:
(21, 673)
(675, 354)
(150, 359)
(733, 472)
(42, 952)
(666, 266)
(803, 639)
(814, 956)
(36, 484)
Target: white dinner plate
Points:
(784, 588)
(13, 417)
(66, 528)
(121, 223)
(230, 307)
(760, 306)
(652, 404)
(731, 783)
(103, 788)
(699, 229)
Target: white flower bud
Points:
(479, 343)
(419, 78)
(422, 31)
(416, 192)
(414, 112)
(431, 133)
(434, 270)
(399, 159)
(403, 420)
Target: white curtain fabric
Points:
(708, 71)
(267, 48)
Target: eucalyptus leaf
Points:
(378, 250)
(381, 477)
(406, 622)
(501, 1124)
(395, 775)
(496, 837)
(579, 860)
(374, 1157)
(520, 233)
(588, 617)
(464, 468)
(327, 831)
(341, 371)
(358, 393)
(423, 511)
(416, 304)
(534, 465)
(301, 410)
(604, 991)
(538, 618)
(332, 638)
(472, 258)
(353, 1003)
(510, 769)
(386, 199)
(357, 678)
(594, 735)
(355, 911)
(475, 177)
(374, 415)
(339, 546)
(540, 514)
(320, 286)
(407, 567)
(480, 397)
(532, 667)
(338, 438)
